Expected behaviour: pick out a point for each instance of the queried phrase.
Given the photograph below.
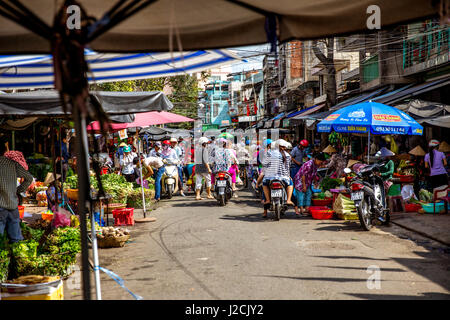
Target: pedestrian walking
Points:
(203, 170)
(436, 162)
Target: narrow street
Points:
(198, 250)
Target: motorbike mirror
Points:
(347, 170)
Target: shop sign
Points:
(386, 117)
(351, 129)
(332, 117)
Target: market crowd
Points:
(296, 164)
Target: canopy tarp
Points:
(143, 120)
(164, 25)
(48, 103)
(33, 71)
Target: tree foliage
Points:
(184, 92)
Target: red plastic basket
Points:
(322, 202)
(322, 214)
(412, 207)
(315, 208)
(123, 217)
(406, 179)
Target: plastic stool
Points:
(396, 202)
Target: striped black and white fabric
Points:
(36, 71)
(274, 167)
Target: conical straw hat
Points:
(329, 149)
(352, 162)
(444, 147)
(50, 178)
(417, 151)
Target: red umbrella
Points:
(144, 119)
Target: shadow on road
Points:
(363, 268)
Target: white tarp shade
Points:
(26, 71)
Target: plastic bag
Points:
(408, 192)
(61, 218)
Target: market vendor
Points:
(387, 170)
(9, 213)
(297, 155)
(418, 167)
(53, 192)
(436, 161)
(127, 164)
(337, 161)
(303, 181)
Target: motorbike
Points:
(169, 179)
(254, 179)
(222, 188)
(278, 198)
(368, 193)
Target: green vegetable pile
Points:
(4, 258)
(54, 258)
(425, 195)
(330, 183)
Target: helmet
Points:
(304, 143)
(267, 142)
(289, 146)
(433, 143)
(173, 139)
(158, 144)
(166, 142)
(127, 149)
(222, 140)
(203, 140)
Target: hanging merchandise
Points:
(123, 134)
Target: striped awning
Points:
(36, 71)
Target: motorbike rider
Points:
(202, 169)
(277, 166)
(222, 160)
(180, 154)
(386, 171)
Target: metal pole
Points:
(83, 193)
(140, 172)
(368, 149)
(98, 290)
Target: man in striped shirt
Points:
(277, 166)
(9, 213)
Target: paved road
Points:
(197, 250)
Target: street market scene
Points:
(301, 153)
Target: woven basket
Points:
(114, 206)
(112, 242)
(72, 194)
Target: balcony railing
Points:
(432, 43)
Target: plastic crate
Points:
(123, 217)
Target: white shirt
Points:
(127, 163)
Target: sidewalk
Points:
(433, 226)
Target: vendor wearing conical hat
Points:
(388, 169)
